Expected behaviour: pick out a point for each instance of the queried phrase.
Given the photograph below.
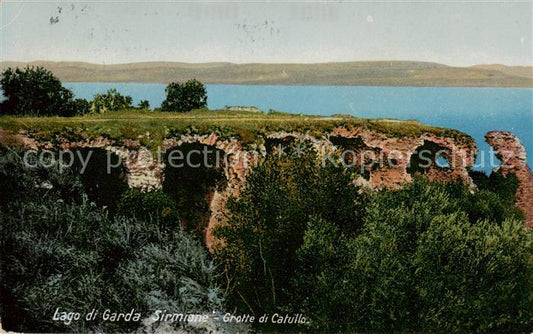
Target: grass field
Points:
(151, 127)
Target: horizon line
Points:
(262, 63)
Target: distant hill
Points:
(521, 71)
(367, 73)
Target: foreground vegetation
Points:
(426, 258)
(60, 250)
(300, 239)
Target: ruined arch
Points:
(194, 171)
(102, 183)
(277, 143)
(358, 155)
(427, 158)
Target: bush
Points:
(112, 100)
(494, 200)
(419, 265)
(319, 286)
(266, 225)
(185, 97)
(82, 106)
(150, 206)
(35, 91)
(64, 251)
(19, 183)
(504, 186)
(144, 104)
(481, 272)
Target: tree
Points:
(112, 100)
(82, 106)
(35, 91)
(267, 223)
(185, 97)
(144, 104)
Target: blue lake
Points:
(474, 111)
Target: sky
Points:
(455, 33)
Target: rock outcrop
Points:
(512, 155)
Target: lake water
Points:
(474, 111)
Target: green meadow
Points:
(151, 127)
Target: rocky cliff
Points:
(512, 155)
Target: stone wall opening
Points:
(356, 154)
(193, 172)
(103, 185)
(279, 144)
(442, 162)
(429, 156)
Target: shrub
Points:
(496, 182)
(112, 100)
(69, 253)
(35, 91)
(185, 97)
(475, 277)
(150, 205)
(266, 225)
(82, 106)
(19, 183)
(426, 258)
(319, 286)
(494, 200)
(419, 265)
(144, 104)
